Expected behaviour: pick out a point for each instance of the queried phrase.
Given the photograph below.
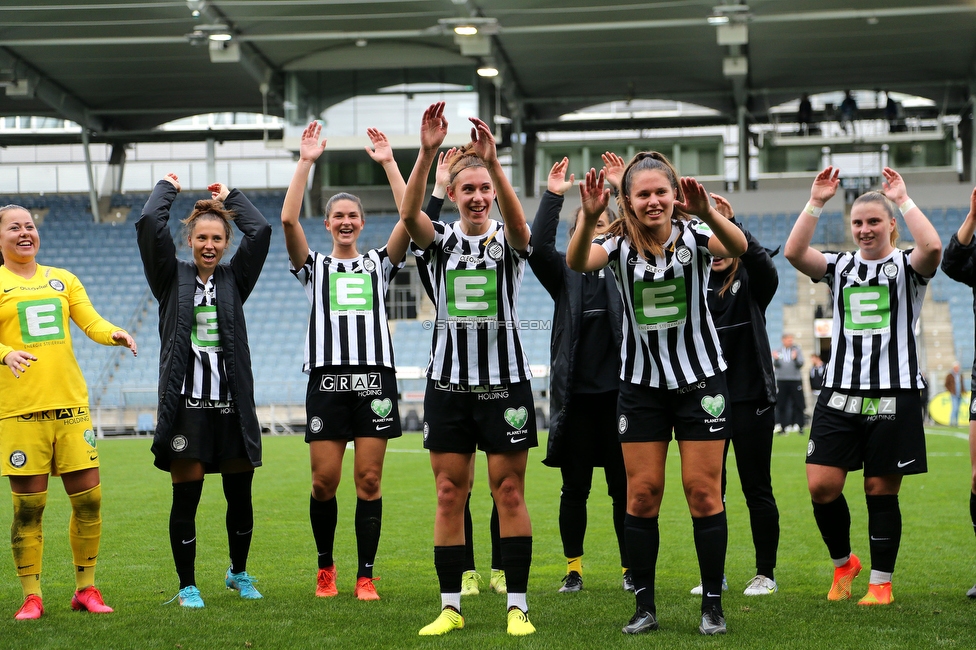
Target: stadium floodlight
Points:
(723, 14)
(470, 26)
(207, 32)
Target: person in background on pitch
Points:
(207, 419)
(953, 384)
(816, 374)
(959, 263)
(672, 377)
(45, 426)
(584, 379)
(348, 336)
(877, 294)
(470, 578)
(788, 361)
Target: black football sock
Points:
(369, 520)
(324, 515)
(182, 529)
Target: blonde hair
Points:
(629, 226)
(874, 196)
(730, 278)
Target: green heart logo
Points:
(90, 437)
(714, 405)
(517, 417)
(381, 407)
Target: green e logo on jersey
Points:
(866, 310)
(204, 332)
(659, 305)
(472, 294)
(41, 320)
(350, 292)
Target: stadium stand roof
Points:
(120, 68)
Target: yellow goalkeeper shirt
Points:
(34, 317)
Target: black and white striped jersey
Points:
(876, 308)
(206, 374)
(348, 324)
(669, 338)
(475, 283)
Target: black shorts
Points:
(879, 431)
(698, 411)
(208, 431)
(495, 419)
(347, 402)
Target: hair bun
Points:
(207, 205)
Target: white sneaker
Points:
(777, 429)
(760, 586)
(697, 591)
(972, 592)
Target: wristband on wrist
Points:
(813, 210)
(906, 206)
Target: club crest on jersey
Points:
(426, 431)
(495, 251)
(56, 284)
(622, 424)
(890, 269)
(18, 459)
(735, 287)
(178, 443)
(315, 424)
(810, 448)
(369, 266)
(683, 255)
(972, 406)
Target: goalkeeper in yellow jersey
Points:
(45, 427)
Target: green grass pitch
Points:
(135, 572)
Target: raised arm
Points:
(546, 262)
(382, 152)
(516, 229)
(928, 246)
(809, 261)
(309, 151)
(726, 240)
(583, 255)
(251, 253)
(959, 260)
(433, 130)
(156, 246)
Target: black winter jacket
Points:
(959, 263)
(758, 281)
(173, 284)
(566, 288)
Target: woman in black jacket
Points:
(739, 290)
(583, 388)
(959, 263)
(206, 420)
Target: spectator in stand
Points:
(804, 114)
(848, 112)
(789, 404)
